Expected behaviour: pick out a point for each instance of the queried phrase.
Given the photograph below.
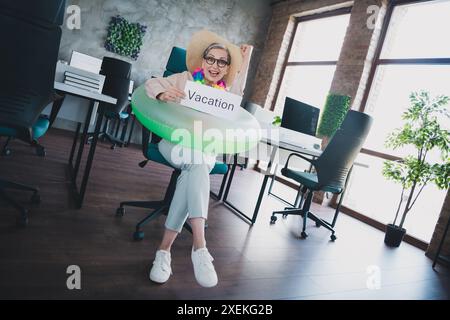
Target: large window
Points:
(312, 59)
(415, 56)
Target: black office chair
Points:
(115, 67)
(28, 63)
(44, 13)
(332, 168)
(301, 117)
(117, 83)
(47, 13)
(176, 64)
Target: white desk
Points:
(84, 93)
(76, 104)
(94, 98)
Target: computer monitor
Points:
(299, 116)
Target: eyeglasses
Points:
(220, 63)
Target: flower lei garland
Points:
(199, 77)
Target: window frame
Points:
(377, 61)
(286, 63)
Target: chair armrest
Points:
(312, 161)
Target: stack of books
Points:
(82, 82)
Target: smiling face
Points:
(213, 64)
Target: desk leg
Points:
(235, 210)
(230, 179)
(273, 180)
(222, 185)
(124, 131)
(131, 129)
(264, 183)
(55, 109)
(74, 145)
(261, 194)
(83, 141)
(341, 197)
(252, 220)
(90, 158)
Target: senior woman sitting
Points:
(212, 61)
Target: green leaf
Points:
(336, 107)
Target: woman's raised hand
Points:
(246, 50)
(172, 94)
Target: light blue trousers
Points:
(191, 198)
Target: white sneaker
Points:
(204, 271)
(161, 269)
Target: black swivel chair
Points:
(117, 83)
(176, 64)
(43, 13)
(301, 117)
(332, 168)
(28, 63)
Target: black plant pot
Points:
(394, 235)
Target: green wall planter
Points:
(333, 114)
(125, 38)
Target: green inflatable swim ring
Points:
(194, 129)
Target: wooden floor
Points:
(262, 262)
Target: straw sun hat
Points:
(202, 40)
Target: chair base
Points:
(305, 214)
(159, 208)
(106, 136)
(40, 150)
(22, 220)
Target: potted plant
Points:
(421, 130)
(334, 111)
(276, 121)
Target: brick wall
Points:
(439, 231)
(357, 54)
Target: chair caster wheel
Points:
(304, 235)
(318, 225)
(40, 151)
(285, 216)
(333, 237)
(138, 235)
(273, 219)
(6, 152)
(22, 221)
(120, 212)
(36, 198)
